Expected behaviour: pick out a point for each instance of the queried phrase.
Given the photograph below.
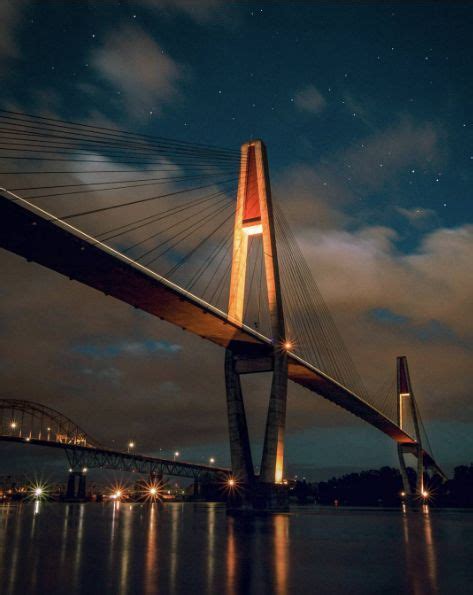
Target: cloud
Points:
(10, 18)
(383, 154)
(200, 11)
(308, 198)
(362, 270)
(417, 216)
(321, 194)
(310, 99)
(128, 348)
(136, 65)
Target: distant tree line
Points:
(383, 487)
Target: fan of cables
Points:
(166, 204)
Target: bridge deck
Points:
(38, 236)
(106, 456)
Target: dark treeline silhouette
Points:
(383, 487)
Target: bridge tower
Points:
(254, 217)
(406, 403)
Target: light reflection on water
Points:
(420, 553)
(196, 548)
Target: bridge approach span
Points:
(90, 457)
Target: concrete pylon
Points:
(406, 403)
(76, 485)
(240, 450)
(254, 216)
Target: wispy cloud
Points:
(198, 10)
(310, 99)
(10, 19)
(417, 216)
(128, 348)
(133, 63)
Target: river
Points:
(186, 548)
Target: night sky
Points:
(366, 110)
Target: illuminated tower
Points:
(406, 404)
(254, 216)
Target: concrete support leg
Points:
(272, 465)
(403, 469)
(81, 490)
(196, 491)
(420, 473)
(242, 464)
(71, 486)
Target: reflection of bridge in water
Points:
(246, 288)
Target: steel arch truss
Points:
(30, 420)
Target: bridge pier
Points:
(258, 498)
(76, 486)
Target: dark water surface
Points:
(195, 548)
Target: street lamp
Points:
(13, 425)
(211, 460)
(176, 454)
(131, 445)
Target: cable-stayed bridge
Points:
(191, 234)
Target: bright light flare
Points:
(38, 491)
(151, 491)
(117, 492)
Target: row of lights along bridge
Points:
(130, 446)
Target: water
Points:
(190, 548)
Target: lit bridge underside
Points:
(40, 237)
